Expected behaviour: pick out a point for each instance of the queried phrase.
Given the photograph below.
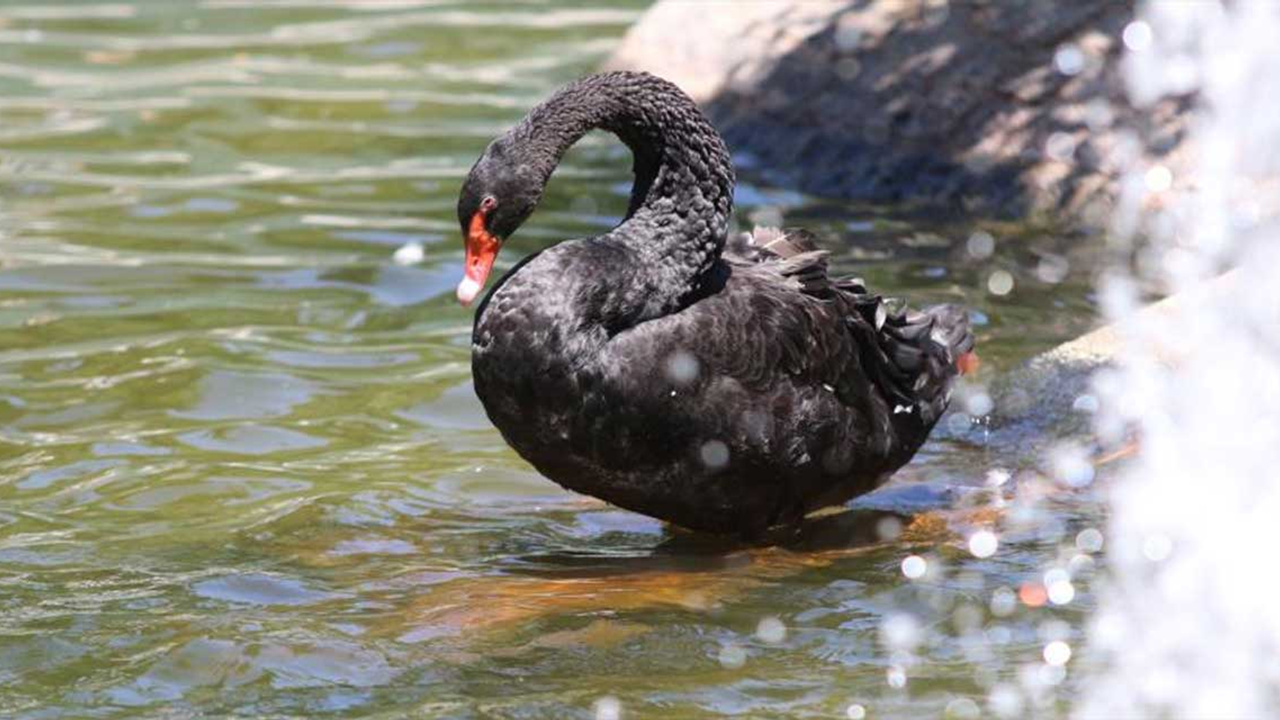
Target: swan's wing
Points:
(784, 320)
(911, 356)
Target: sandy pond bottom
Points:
(242, 470)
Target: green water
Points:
(242, 471)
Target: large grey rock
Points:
(1004, 106)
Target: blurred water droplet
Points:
(1003, 602)
(1052, 268)
(1089, 540)
(1060, 146)
(1057, 653)
(733, 656)
(961, 709)
(847, 69)
(914, 567)
(714, 454)
(983, 544)
(1137, 36)
(979, 404)
(771, 630)
(1033, 595)
(1069, 463)
(409, 254)
(980, 245)
(1080, 564)
(855, 712)
(682, 367)
(608, 708)
(1058, 587)
(847, 35)
(1086, 404)
(900, 631)
(1000, 282)
(1005, 701)
(1054, 575)
(1068, 59)
(888, 528)
(1098, 114)
(1158, 178)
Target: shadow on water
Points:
(689, 570)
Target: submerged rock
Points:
(996, 107)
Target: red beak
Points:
(482, 250)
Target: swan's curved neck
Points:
(683, 194)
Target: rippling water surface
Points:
(242, 470)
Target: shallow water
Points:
(241, 467)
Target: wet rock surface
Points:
(994, 107)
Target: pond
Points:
(242, 470)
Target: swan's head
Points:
(498, 195)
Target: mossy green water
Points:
(241, 468)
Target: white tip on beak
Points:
(468, 289)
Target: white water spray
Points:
(1190, 624)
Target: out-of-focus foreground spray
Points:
(1189, 624)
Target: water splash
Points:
(1189, 625)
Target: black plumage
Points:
(725, 386)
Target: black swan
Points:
(724, 385)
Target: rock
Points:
(1051, 396)
(997, 107)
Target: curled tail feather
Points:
(912, 356)
(923, 352)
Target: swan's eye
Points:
(488, 203)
